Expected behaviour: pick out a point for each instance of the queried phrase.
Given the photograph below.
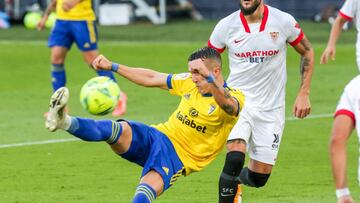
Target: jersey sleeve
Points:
(218, 37)
(293, 31)
(239, 96)
(346, 104)
(348, 10)
(179, 83)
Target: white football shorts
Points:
(262, 131)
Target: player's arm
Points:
(49, 9)
(342, 128)
(141, 76)
(302, 104)
(69, 4)
(221, 95)
(330, 50)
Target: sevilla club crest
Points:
(274, 36)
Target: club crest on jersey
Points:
(212, 108)
(193, 112)
(187, 96)
(274, 36)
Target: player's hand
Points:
(41, 24)
(345, 199)
(101, 63)
(302, 106)
(198, 66)
(330, 51)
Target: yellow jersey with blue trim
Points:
(198, 128)
(81, 11)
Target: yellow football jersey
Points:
(82, 11)
(198, 128)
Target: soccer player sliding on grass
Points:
(191, 138)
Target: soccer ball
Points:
(100, 95)
(32, 19)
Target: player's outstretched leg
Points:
(144, 194)
(83, 128)
(56, 115)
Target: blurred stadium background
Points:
(306, 9)
(33, 169)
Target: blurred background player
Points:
(346, 116)
(256, 37)
(192, 137)
(349, 10)
(347, 111)
(75, 23)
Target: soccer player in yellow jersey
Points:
(188, 141)
(75, 22)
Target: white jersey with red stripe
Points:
(349, 11)
(257, 54)
(349, 103)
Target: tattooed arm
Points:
(212, 82)
(302, 104)
(222, 96)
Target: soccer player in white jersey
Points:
(348, 108)
(346, 116)
(256, 37)
(349, 11)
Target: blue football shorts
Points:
(66, 32)
(153, 150)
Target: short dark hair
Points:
(206, 53)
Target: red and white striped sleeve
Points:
(294, 32)
(218, 37)
(348, 10)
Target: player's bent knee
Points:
(234, 163)
(122, 145)
(260, 179)
(253, 179)
(236, 145)
(89, 56)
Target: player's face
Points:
(202, 85)
(248, 7)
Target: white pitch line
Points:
(327, 115)
(76, 139)
(37, 143)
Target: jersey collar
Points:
(210, 95)
(263, 21)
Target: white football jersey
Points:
(349, 11)
(349, 103)
(257, 54)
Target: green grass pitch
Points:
(90, 172)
